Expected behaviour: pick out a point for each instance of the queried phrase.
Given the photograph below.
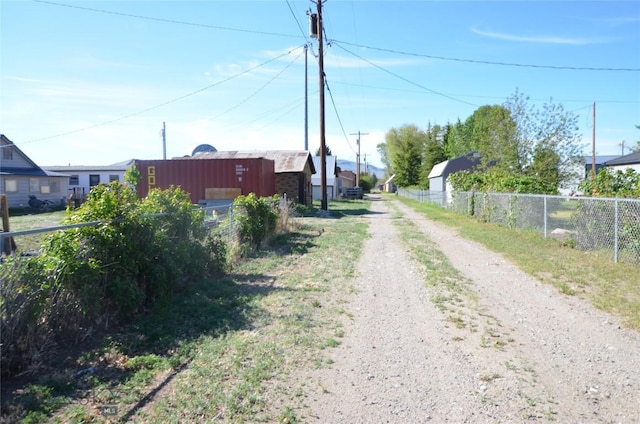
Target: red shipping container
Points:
(195, 176)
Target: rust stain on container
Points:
(256, 175)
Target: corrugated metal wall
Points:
(194, 176)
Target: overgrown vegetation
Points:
(88, 278)
(613, 183)
(496, 180)
(596, 234)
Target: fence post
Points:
(8, 243)
(545, 216)
(230, 223)
(615, 232)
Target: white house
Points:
(82, 178)
(21, 178)
(333, 183)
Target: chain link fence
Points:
(609, 226)
(218, 220)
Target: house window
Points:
(54, 185)
(94, 180)
(11, 185)
(74, 180)
(115, 177)
(7, 153)
(45, 189)
(34, 185)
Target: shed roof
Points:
(284, 160)
(331, 164)
(332, 170)
(450, 166)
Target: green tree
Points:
(405, 149)
(384, 158)
(490, 132)
(544, 139)
(327, 148)
(366, 182)
(636, 148)
(434, 152)
(459, 141)
(132, 176)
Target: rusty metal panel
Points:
(285, 160)
(195, 176)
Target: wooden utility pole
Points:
(323, 147)
(358, 157)
(593, 145)
(306, 101)
(164, 141)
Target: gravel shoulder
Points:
(532, 354)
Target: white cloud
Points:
(544, 39)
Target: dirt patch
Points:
(531, 353)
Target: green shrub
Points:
(256, 218)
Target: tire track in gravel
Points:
(402, 362)
(581, 356)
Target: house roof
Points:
(600, 159)
(85, 168)
(630, 159)
(34, 170)
(284, 160)
(120, 166)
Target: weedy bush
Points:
(90, 277)
(256, 219)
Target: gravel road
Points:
(531, 355)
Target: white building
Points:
(83, 177)
(333, 183)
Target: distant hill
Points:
(349, 165)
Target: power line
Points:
(405, 79)
(488, 62)
(297, 22)
(165, 103)
(406, 90)
(170, 21)
(255, 93)
(326, 83)
(454, 59)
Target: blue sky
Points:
(91, 82)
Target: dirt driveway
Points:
(527, 352)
